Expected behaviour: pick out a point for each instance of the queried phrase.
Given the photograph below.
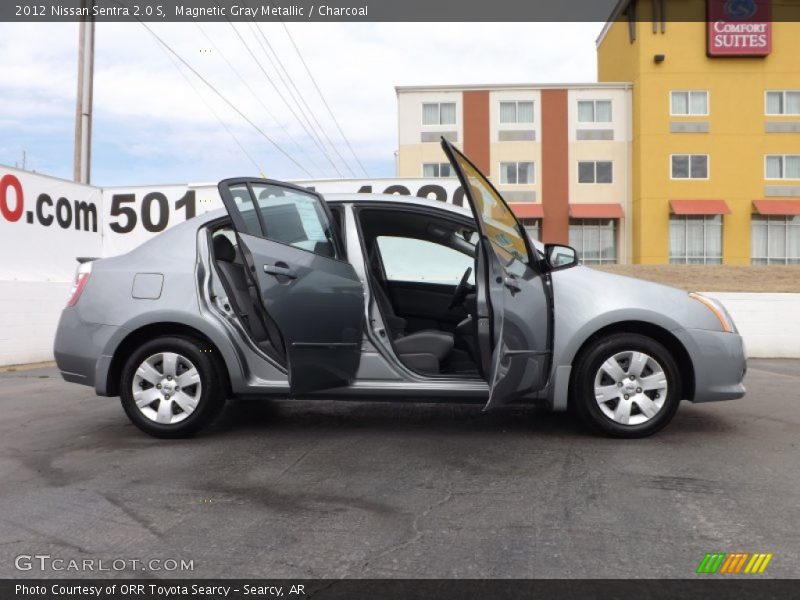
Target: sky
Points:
(156, 122)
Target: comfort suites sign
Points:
(739, 27)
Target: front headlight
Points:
(716, 307)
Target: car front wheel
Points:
(626, 385)
(171, 387)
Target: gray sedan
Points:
(289, 294)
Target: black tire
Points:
(210, 397)
(587, 370)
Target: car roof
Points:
(357, 198)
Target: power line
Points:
(322, 96)
(216, 115)
(299, 95)
(280, 94)
(224, 99)
(258, 99)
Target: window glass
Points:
(525, 172)
(525, 112)
(585, 172)
(604, 172)
(774, 103)
(699, 166)
(791, 167)
(695, 239)
(680, 166)
(244, 204)
(508, 172)
(690, 166)
(499, 223)
(603, 111)
(586, 111)
(294, 218)
(680, 103)
(430, 170)
(775, 240)
(409, 259)
(698, 103)
(532, 227)
(774, 167)
(430, 114)
(793, 103)
(447, 113)
(508, 112)
(594, 239)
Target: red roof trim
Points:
(527, 210)
(777, 207)
(699, 207)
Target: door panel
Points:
(316, 299)
(513, 293)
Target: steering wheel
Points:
(461, 290)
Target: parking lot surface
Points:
(340, 489)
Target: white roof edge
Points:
(618, 9)
(510, 86)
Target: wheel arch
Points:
(136, 337)
(651, 330)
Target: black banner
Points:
(382, 589)
(375, 10)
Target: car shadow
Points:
(335, 415)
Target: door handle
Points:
(279, 270)
(511, 283)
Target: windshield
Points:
(499, 223)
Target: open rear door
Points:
(306, 286)
(513, 290)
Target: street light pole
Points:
(83, 109)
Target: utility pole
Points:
(83, 110)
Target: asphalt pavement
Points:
(340, 489)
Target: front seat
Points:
(423, 351)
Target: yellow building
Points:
(715, 174)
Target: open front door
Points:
(513, 292)
(296, 262)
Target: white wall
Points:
(769, 323)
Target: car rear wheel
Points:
(626, 385)
(171, 387)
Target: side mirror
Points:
(560, 257)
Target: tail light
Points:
(81, 279)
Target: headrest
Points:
(223, 249)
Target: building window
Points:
(594, 239)
(595, 171)
(437, 170)
(439, 113)
(594, 111)
(533, 227)
(516, 172)
(782, 166)
(688, 103)
(689, 166)
(783, 103)
(516, 112)
(775, 240)
(695, 240)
